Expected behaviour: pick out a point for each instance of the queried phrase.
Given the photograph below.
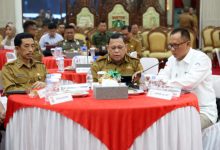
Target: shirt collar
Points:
(188, 56)
(125, 59)
(20, 63)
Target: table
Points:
(50, 62)
(71, 75)
(3, 58)
(139, 122)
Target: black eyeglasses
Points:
(175, 46)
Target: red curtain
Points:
(178, 4)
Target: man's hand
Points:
(136, 76)
(38, 85)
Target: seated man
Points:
(116, 59)
(31, 27)
(135, 33)
(132, 44)
(70, 43)
(24, 73)
(49, 39)
(100, 38)
(190, 70)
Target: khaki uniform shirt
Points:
(71, 45)
(37, 52)
(99, 39)
(16, 75)
(134, 45)
(186, 21)
(127, 67)
(139, 38)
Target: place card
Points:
(41, 93)
(160, 94)
(60, 98)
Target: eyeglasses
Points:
(175, 46)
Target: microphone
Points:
(152, 66)
(138, 75)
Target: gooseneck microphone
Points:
(152, 66)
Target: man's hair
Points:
(69, 27)
(116, 36)
(102, 21)
(184, 33)
(52, 26)
(126, 27)
(27, 24)
(20, 36)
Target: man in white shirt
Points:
(191, 70)
(50, 39)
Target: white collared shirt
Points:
(46, 38)
(193, 73)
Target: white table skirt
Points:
(39, 129)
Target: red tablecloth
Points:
(71, 75)
(115, 122)
(50, 62)
(3, 59)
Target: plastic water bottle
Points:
(60, 64)
(89, 79)
(84, 50)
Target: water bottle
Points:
(89, 79)
(84, 50)
(60, 64)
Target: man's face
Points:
(52, 32)
(126, 34)
(61, 28)
(178, 46)
(32, 30)
(117, 49)
(26, 49)
(102, 27)
(69, 34)
(134, 29)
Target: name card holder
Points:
(61, 98)
(160, 94)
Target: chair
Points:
(217, 51)
(192, 38)
(215, 36)
(148, 63)
(157, 44)
(80, 36)
(207, 42)
(10, 56)
(144, 35)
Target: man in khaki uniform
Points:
(24, 73)
(135, 33)
(116, 59)
(31, 27)
(132, 44)
(186, 20)
(70, 43)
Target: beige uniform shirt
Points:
(127, 67)
(16, 75)
(134, 45)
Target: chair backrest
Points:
(215, 35)
(192, 38)
(206, 35)
(149, 62)
(157, 41)
(80, 36)
(145, 38)
(10, 56)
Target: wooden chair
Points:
(192, 38)
(80, 36)
(215, 36)
(144, 35)
(158, 44)
(207, 41)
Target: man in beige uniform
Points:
(31, 27)
(132, 44)
(24, 73)
(116, 59)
